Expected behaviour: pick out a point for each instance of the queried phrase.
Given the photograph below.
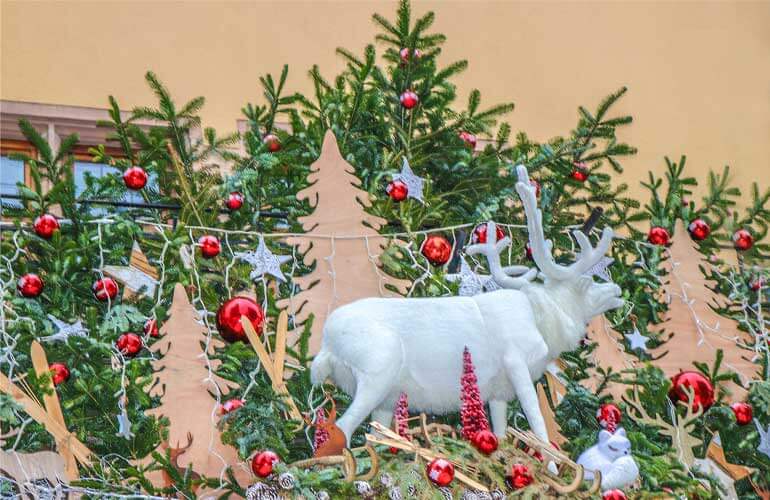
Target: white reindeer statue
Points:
(376, 348)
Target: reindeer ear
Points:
(620, 432)
(604, 436)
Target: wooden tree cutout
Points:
(188, 384)
(345, 251)
(609, 353)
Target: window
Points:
(84, 168)
(12, 171)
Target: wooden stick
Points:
(52, 405)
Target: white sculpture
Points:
(374, 349)
(612, 457)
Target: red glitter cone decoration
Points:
(321, 434)
(262, 463)
(702, 387)
(400, 416)
(744, 413)
(608, 415)
(45, 225)
(472, 414)
(440, 471)
(520, 477)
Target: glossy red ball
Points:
(105, 289)
(406, 54)
(613, 495)
(397, 190)
(229, 318)
(135, 178)
(757, 284)
(703, 389)
(743, 240)
(234, 201)
(30, 285)
(480, 233)
(129, 344)
(272, 142)
(468, 138)
(151, 328)
(263, 462)
(59, 373)
(658, 236)
(744, 413)
(485, 441)
(440, 471)
(409, 99)
(210, 246)
(437, 250)
(608, 415)
(699, 229)
(230, 405)
(45, 225)
(579, 171)
(519, 477)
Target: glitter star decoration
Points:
(472, 283)
(764, 438)
(124, 424)
(637, 340)
(263, 261)
(65, 330)
(600, 269)
(413, 182)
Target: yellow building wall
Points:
(698, 72)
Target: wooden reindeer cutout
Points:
(335, 443)
(174, 454)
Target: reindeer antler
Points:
(541, 248)
(502, 275)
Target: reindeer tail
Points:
(321, 368)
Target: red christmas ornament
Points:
(234, 201)
(59, 373)
(472, 414)
(608, 415)
(485, 441)
(743, 413)
(230, 405)
(579, 171)
(480, 233)
(519, 477)
(397, 190)
(262, 463)
(743, 240)
(437, 250)
(272, 142)
(613, 495)
(401, 415)
(468, 138)
(229, 318)
(45, 225)
(210, 246)
(528, 252)
(151, 328)
(321, 435)
(30, 285)
(757, 284)
(658, 236)
(405, 54)
(129, 344)
(409, 99)
(135, 178)
(699, 229)
(104, 289)
(702, 387)
(440, 471)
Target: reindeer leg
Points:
(370, 392)
(520, 379)
(498, 413)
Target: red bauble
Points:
(480, 233)
(129, 344)
(608, 415)
(468, 138)
(151, 328)
(658, 236)
(743, 240)
(234, 201)
(757, 284)
(743, 413)
(519, 477)
(135, 178)
(262, 463)
(437, 250)
(406, 54)
(528, 252)
(210, 246)
(397, 190)
(230, 405)
(485, 441)
(613, 495)
(229, 318)
(45, 225)
(699, 229)
(702, 387)
(59, 373)
(579, 172)
(105, 289)
(272, 142)
(409, 99)
(30, 285)
(440, 471)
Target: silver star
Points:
(472, 283)
(764, 438)
(124, 424)
(263, 261)
(600, 269)
(65, 330)
(637, 340)
(413, 182)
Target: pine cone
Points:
(262, 491)
(364, 489)
(287, 481)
